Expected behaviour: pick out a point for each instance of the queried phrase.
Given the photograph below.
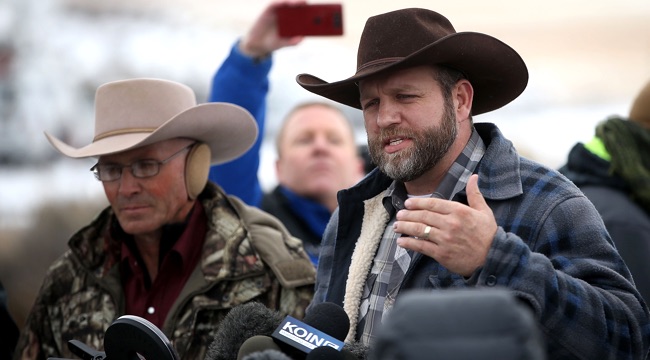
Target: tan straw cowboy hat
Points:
(138, 112)
(411, 37)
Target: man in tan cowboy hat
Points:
(453, 205)
(172, 248)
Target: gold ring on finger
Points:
(427, 230)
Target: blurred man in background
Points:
(317, 154)
(172, 247)
(613, 171)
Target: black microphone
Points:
(268, 354)
(463, 323)
(326, 324)
(241, 323)
(329, 353)
(356, 349)
(257, 343)
(128, 337)
(324, 353)
(330, 319)
(82, 350)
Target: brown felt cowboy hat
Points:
(138, 112)
(411, 37)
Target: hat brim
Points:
(496, 71)
(229, 130)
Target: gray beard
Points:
(429, 147)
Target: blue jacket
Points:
(243, 81)
(551, 249)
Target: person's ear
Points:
(278, 170)
(463, 96)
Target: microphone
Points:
(268, 354)
(326, 324)
(128, 337)
(329, 353)
(83, 351)
(241, 323)
(257, 343)
(329, 318)
(464, 323)
(356, 349)
(324, 353)
(131, 335)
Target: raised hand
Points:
(458, 236)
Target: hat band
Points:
(123, 131)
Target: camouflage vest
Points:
(247, 255)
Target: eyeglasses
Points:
(140, 169)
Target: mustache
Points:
(393, 132)
(136, 200)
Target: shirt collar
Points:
(179, 238)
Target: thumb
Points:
(474, 197)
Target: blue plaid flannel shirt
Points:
(551, 249)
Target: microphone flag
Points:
(299, 335)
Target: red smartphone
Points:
(309, 20)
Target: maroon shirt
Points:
(180, 251)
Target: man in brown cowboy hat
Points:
(171, 248)
(453, 205)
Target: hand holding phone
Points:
(309, 20)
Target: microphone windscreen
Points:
(330, 319)
(456, 324)
(357, 349)
(267, 355)
(255, 344)
(241, 323)
(324, 353)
